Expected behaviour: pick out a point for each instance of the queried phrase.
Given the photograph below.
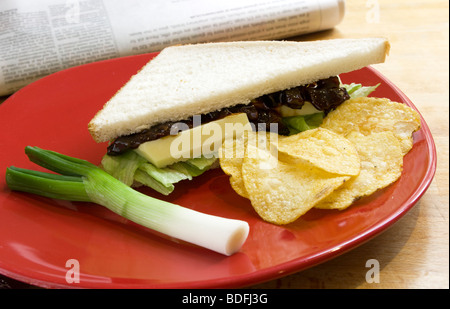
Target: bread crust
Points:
(191, 79)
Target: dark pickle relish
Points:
(325, 95)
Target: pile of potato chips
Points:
(357, 150)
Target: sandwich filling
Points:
(324, 95)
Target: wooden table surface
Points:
(414, 252)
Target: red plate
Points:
(39, 235)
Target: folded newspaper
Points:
(38, 38)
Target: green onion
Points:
(46, 184)
(84, 181)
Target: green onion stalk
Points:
(80, 180)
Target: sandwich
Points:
(161, 125)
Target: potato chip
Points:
(231, 155)
(280, 192)
(381, 164)
(232, 152)
(368, 115)
(358, 150)
(323, 149)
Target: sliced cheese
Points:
(201, 140)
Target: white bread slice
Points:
(195, 79)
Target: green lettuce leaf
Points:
(166, 176)
(131, 168)
(358, 90)
(147, 180)
(123, 167)
(194, 167)
(203, 163)
(302, 123)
